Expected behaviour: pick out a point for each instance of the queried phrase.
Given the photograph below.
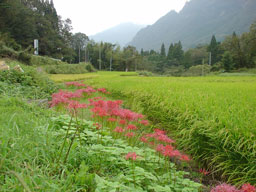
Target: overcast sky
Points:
(93, 16)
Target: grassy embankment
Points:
(212, 118)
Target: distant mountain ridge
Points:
(197, 22)
(121, 34)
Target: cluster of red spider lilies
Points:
(124, 123)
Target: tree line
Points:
(22, 21)
(235, 52)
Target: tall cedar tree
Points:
(213, 48)
(227, 61)
(163, 53)
(178, 53)
(170, 52)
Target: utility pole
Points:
(135, 63)
(85, 54)
(85, 48)
(203, 67)
(111, 60)
(100, 56)
(79, 54)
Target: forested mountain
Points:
(120, 34)
(197, 22)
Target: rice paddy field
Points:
(212, 118)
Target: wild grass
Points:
(212, 118)
(26, 146)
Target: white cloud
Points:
(92, 16)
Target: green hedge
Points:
(39, 61)
(69, 68)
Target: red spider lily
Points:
(144, 122)
(168, 150)
(131, 134)
(248, 188)
(159, 131)
(160, 148)
(60, 100)
(118, 130)
(204, 172)
(115, 112)
(131, 155)
(113, 108)
(88, 90)
(163, 138)
(76, 105)
(73, 104)
(128, 115)
(63, 97)
(119, 102)
(143, 139)
(107, 106)
(111, 119)
(103, 90)
(131, 127)
(122, 122)
(175, 153)
(112, 105)
(225, 188)
(97, 125)
(149, 135)
(140, 116)
(159, 135)
(101, 112)
(185, 158)
(83, 105)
